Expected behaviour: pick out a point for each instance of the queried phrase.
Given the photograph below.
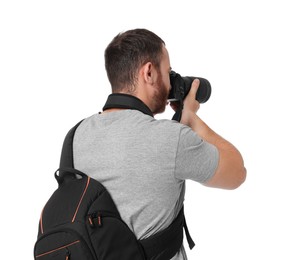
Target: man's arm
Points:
(230, 172)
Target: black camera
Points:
(180, 87)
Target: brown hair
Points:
(127, 52)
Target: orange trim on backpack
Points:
(87, 184)
(56, 249)
(41, 221)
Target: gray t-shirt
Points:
(143, 162)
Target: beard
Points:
(160, 96)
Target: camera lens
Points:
(204, 90)
(180, 87)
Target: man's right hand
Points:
(190, 102)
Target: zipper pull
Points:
(95, 221)
(90, 220)
(67, 255)
(99, 220)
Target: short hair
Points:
(127, 52)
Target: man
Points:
(144, 162)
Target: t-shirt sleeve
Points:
(196, 159)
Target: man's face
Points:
(162, 86)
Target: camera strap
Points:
(119, 100)
(126, 101)
(178, 113)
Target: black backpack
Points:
(81, 222)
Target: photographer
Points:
(144, 162)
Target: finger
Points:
(194, 88)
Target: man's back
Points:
(143, 162)
(136, 158)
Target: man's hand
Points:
(190, 102)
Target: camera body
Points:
(180, 87)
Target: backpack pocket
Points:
(62, 245)
(111, 237)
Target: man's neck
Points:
(112, 110)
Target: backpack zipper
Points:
(58, 249)
(80, 240)
(95, 219)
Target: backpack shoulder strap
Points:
(166, 243)
(66, 169)
(66, 159)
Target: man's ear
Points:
(149, 73)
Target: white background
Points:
(52, 75)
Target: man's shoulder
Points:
(134, 119)
(171, 125)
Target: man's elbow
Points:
(239, 179)
(229, 179)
